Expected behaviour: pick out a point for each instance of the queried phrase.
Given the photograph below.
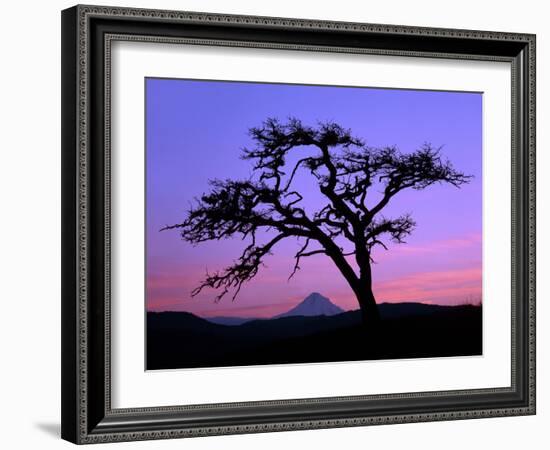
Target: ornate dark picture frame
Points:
(87, 34)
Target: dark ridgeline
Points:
(346, 171)
(410, 330)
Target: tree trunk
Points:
(365, 296)
(362, 285)
(369, 308)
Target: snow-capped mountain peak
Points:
(314, 304)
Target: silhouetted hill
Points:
(178, 320)
(405, 309)
(409, 330)
(227, 320)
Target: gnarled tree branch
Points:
(345, 170)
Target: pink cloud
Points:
(448, 286)
(459, 248)
(445, 272)
(465, 242)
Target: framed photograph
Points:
(278, 224)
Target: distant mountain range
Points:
(410, 330)
(313, 305)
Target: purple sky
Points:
(195, 130)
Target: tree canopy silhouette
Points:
(356, 182)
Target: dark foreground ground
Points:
(409, 330)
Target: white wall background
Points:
(30, 224)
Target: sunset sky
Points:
(195, 131)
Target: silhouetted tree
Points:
(346, 171)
